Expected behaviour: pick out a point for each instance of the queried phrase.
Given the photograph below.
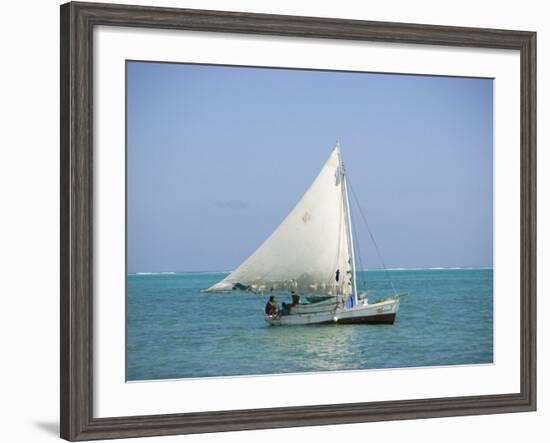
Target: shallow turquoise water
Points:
(175, 331)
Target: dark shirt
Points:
(271, 308)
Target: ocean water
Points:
(176, 331)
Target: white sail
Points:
(309, 247)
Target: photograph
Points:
(285, 221)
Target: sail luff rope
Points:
(372, 238)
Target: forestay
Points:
(309, 248)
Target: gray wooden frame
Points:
(77, 24)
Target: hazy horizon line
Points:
(416, 268)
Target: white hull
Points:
(380, 312)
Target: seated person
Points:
(271, 307)
(295, 301)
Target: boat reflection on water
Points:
(322, 347)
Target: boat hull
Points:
(383, 312)
(381, 319)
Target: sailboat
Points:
(312, 254)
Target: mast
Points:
(350, 231)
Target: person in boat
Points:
(271, 307)
(295, 301)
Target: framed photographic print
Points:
(272, 221)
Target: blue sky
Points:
(218, 156)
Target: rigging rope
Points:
(386, 272)
(359, 259)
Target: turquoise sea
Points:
(176, 331)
